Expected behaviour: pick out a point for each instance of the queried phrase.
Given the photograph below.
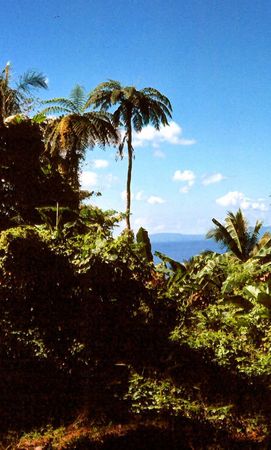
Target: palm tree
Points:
(68, 135)
(14, 99)
(236, 235)
(134, 110)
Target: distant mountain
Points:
(176, 237)
(183, 246)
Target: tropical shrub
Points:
(74, 310)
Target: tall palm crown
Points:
(133, 110)
(236, 235)
(14, 99)
(70, 134)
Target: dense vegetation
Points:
(100, 348)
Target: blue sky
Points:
(211, 58)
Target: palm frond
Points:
(254, 237)
(236, 235)
(236, 232)
(221, 234)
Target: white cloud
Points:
(139, 195)
(123, 195)
(185, 189)
(100, 163)
(158, 228)
(159, 154)
(154, 200)
(88, 179)
(214, 178)
(186, 175)
(259, 206)
(149, 224)
(170, 133)
(238, 199)
(233, 198)
(141, 221)
(109, 180)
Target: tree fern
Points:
(74, 130)
(133, 110)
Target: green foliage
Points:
(186, 341)
(87, 321)
(218, 366)
(68, 300)
(162, 395)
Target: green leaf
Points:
(174, 265)
(252, 291)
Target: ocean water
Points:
(183, 250)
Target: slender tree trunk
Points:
(2, 105)
(73, 167)
(129, 177)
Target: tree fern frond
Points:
(157, 96)
(61, 102)
(121, 145)
(137, 121)
(55, 110)
(117, 117)
(116, 96)
(78, 98)
(108, 85)
(32, 79)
